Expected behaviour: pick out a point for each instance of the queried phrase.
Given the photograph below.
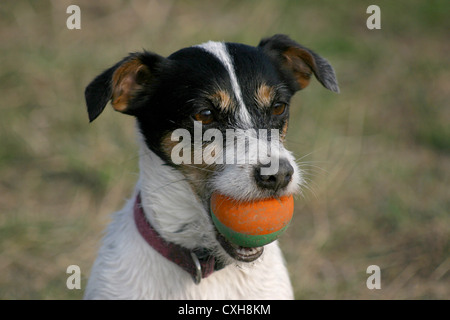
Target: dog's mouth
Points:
(239, 253)
(243, 228)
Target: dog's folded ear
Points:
(122, 83)
(298, 61)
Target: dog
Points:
(163, 243)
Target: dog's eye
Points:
(205, 116)
(278, 108)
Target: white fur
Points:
(237, 181)
(128, 268)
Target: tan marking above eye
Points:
(264, 95)
(222, 100)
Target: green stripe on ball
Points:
(246, 240)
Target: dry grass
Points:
(377, 155)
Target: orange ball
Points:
(253, 223)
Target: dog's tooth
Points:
(247, 251)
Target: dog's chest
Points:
(128, 268)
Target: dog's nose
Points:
(276, 181)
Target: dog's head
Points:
(195, 106)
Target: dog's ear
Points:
(121, 83)
(299, 61)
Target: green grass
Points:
(376, 155)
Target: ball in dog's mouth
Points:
(245, 227)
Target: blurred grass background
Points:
(377, 155)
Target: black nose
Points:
(276, 181)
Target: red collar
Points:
(184, 258)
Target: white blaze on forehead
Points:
(219, 50)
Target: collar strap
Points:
(184, 258)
